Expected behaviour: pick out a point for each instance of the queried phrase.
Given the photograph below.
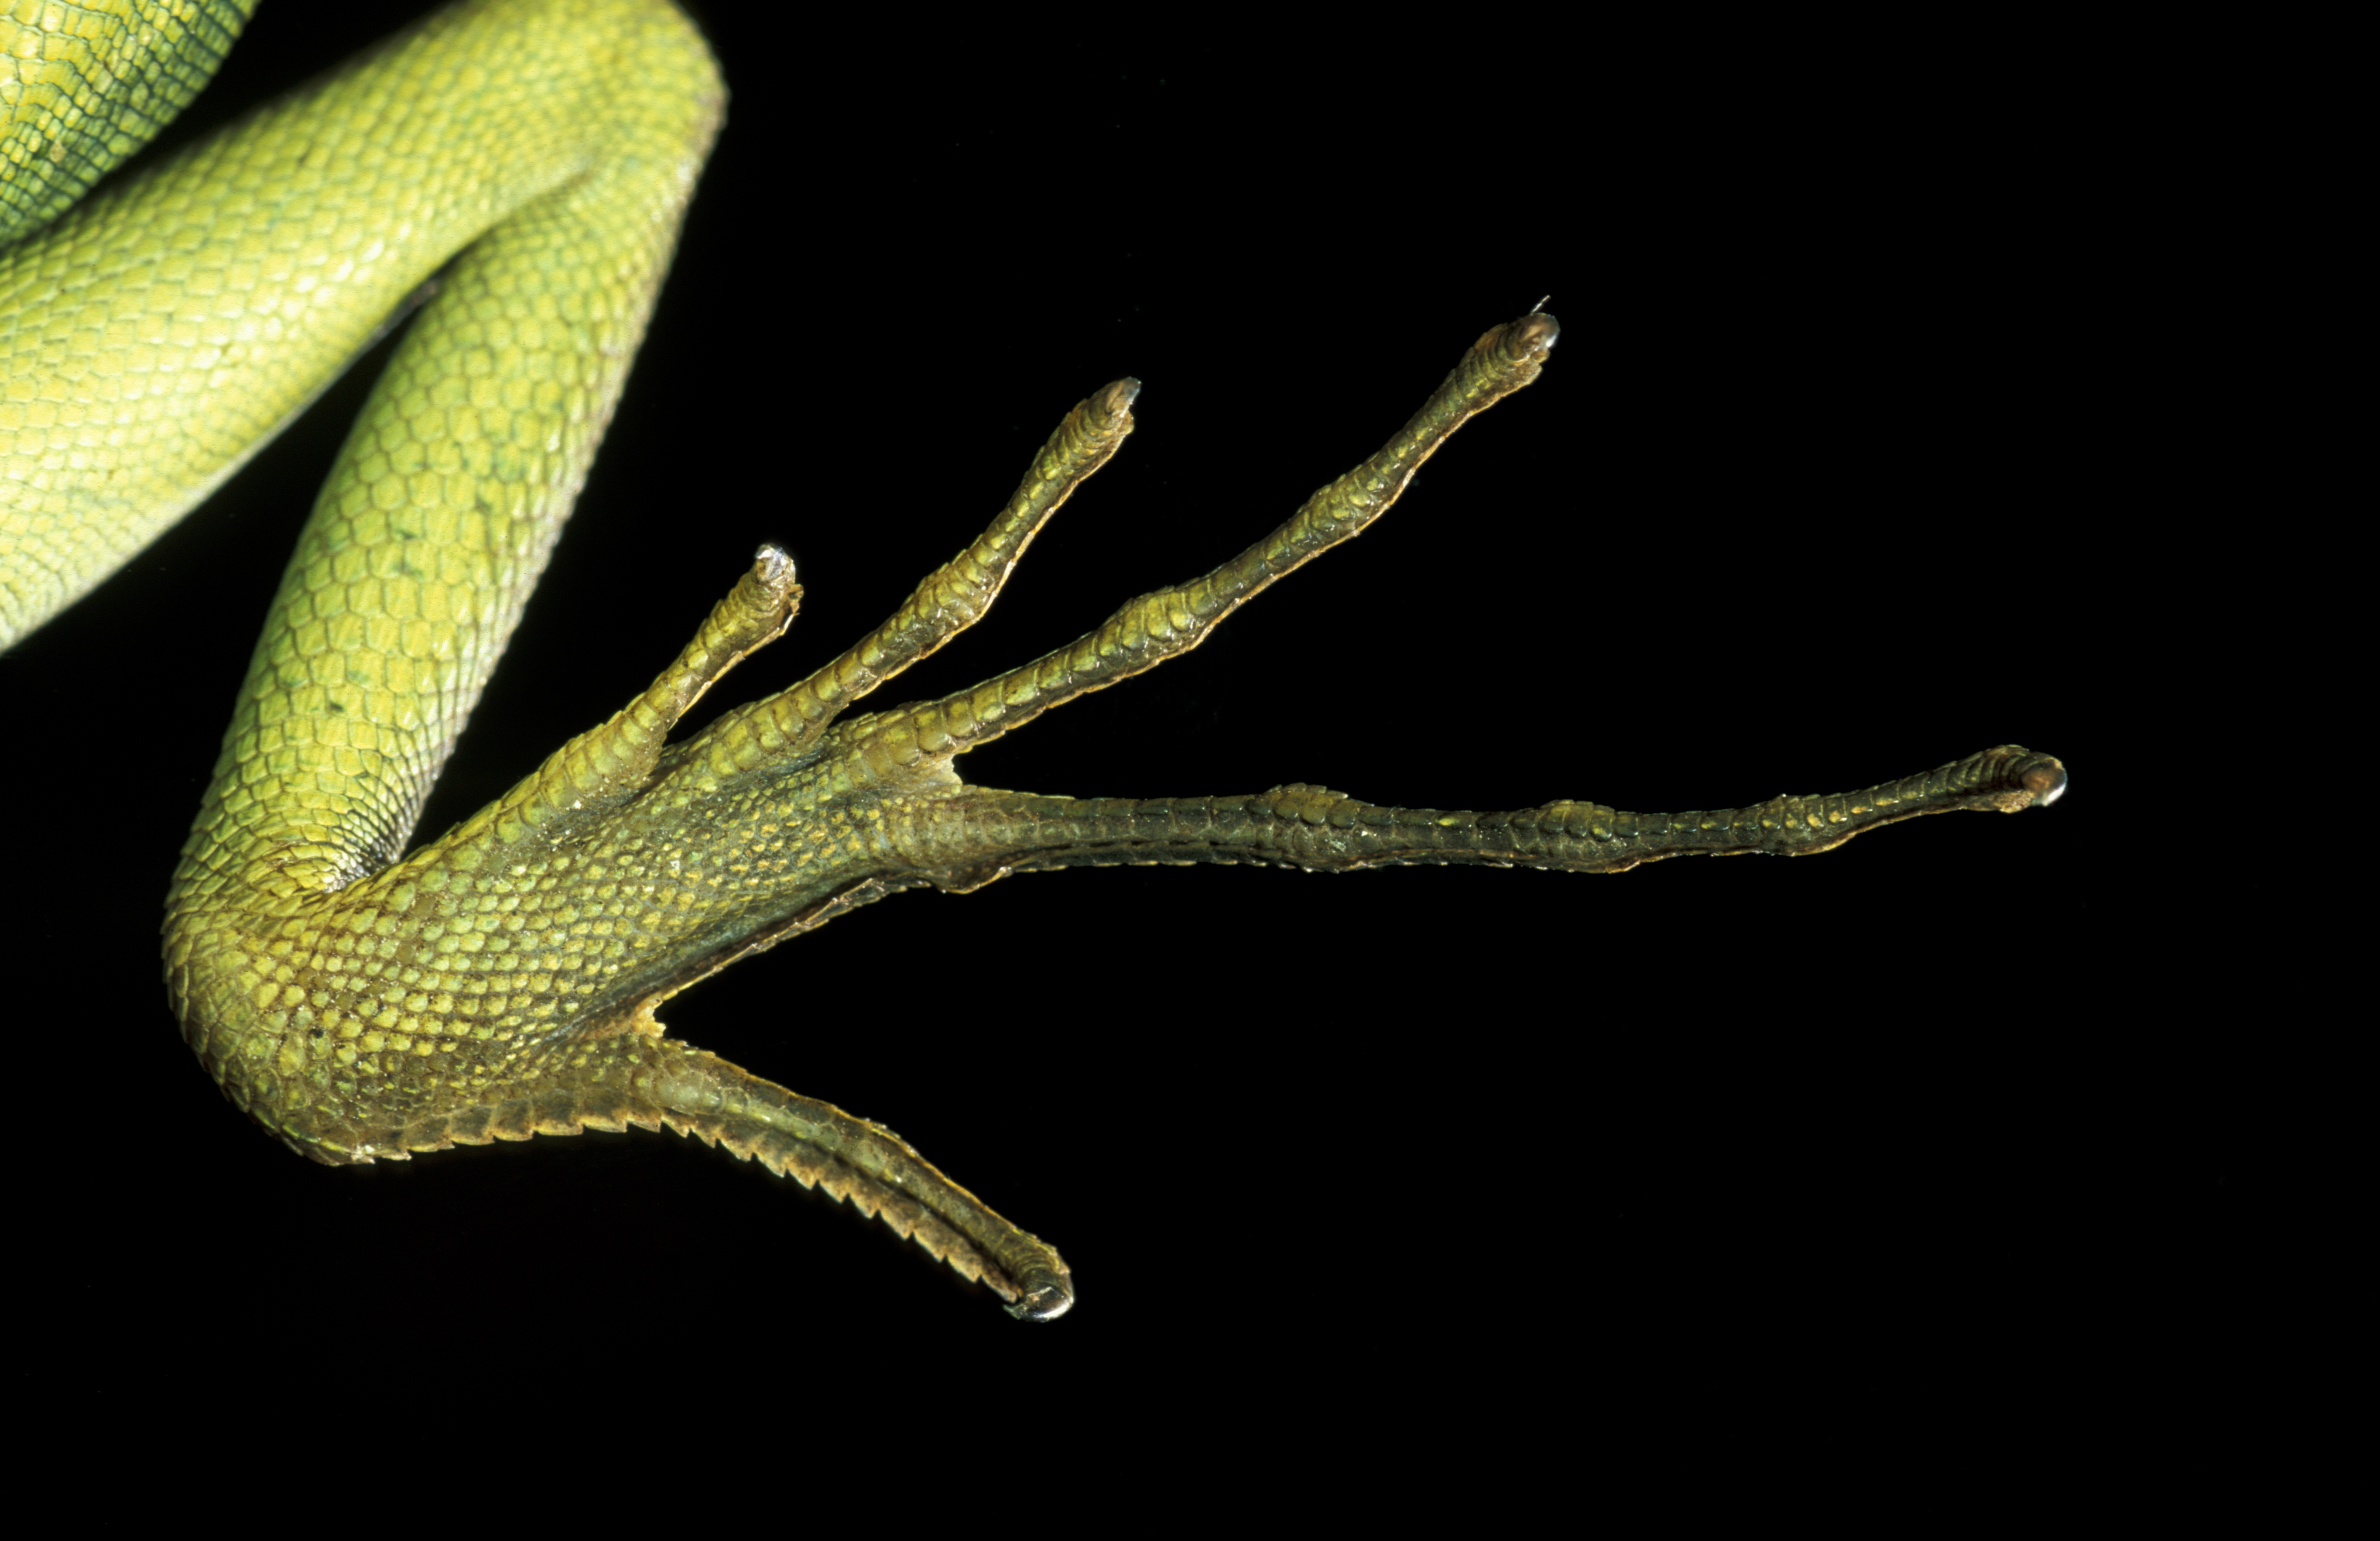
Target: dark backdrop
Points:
(1817, 489)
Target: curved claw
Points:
(1047, 1296)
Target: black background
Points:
(1817, 490)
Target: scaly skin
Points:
(503, 980)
